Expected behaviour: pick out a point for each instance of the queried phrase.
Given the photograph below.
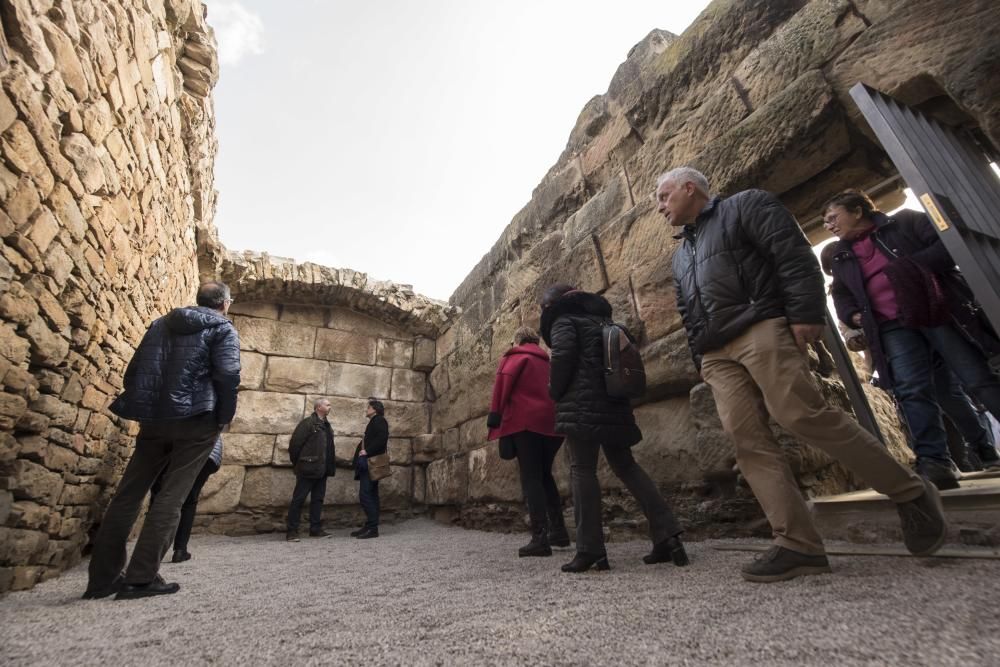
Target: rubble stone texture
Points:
(106, 184)
(107, 139)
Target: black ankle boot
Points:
(670, 550)
(584, 561)
(558, 537)
(538, 546)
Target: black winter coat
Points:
(375, 442)
(187, 364)
(311, 449)
(571, 327)
(744, 260)
(906, 234)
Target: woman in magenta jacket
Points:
(523, 416)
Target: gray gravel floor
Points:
(426, 594)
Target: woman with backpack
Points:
(572, 323)
(523, 417)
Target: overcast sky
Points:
(400, 137)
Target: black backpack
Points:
(624, 374)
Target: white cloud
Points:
(238, 30)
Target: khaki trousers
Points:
(763, 372)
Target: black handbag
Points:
(507, 449)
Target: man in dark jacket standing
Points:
(374, 443)
(750, 293)
(181, 387)
(312, 454)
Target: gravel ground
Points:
(426, 594)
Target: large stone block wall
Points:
(755, 95)
(106, 139)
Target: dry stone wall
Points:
(350, 339)
(755, 94)
(106, 138)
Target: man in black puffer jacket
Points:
(750, 293)
(181, 387)
(571, 324)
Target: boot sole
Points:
(801, 571)
(136, 595)
(936, 499)
(537, 554)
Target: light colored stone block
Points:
(428, 447)
(312, 316)
(401, 451)
(357, 381)
(424, 354)
(345, 319)
(222, 491)
(492, 479)
(419, 484)
(396, 490)
(267, 487)
(448, 481)
(347, 415)
(267, 412)
(300, 376)
(270, 337)
(407, 419)
(408, 385)
(267, 311)
(252, 365)
(344, 346)
(247, 449)
(395, 353)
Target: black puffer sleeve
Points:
(563, 356)
(226, 371)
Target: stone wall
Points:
(755, 94)
(350, 339)
(106, 137)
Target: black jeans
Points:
(535, 454)
(587, 494)
(180, 448)
(368, 495)
(316, 490)
(190, 505)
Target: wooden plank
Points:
(873, 550)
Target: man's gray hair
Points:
(682, 175)
(318, 401)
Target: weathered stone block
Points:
(492, 479)
(472, 434)
(355, 380)
(267, 412)
(401, 451)
(419, 485)
(352, 321)
(289, 374)
(407, 419)
(347, 415)
(30, 481)
(270, 337)
(428, 447)
(21, 545)
(668, 451)
(408, 385)
(396, 490)
(343, 346)
(395, 353)
(247, 449)
(267, 487)
(267, 311)
(448, 481)
(309, 315)
(252, 367)
(82, 494)
(222, 491)
(424, 354)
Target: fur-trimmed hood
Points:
(575, 302)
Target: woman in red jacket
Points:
(523, 415)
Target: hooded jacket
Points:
(521, 399)
(187, 364)
(906, 234)
(571, 327)
(744, 260)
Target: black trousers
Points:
(535, 455)
(177, 448)
(316, 490)
(587, 494)
(190, 506)
(368, 495)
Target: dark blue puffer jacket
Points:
(187, 364)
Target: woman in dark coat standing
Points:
(524, 417)
(591, 420)
(375, 442)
